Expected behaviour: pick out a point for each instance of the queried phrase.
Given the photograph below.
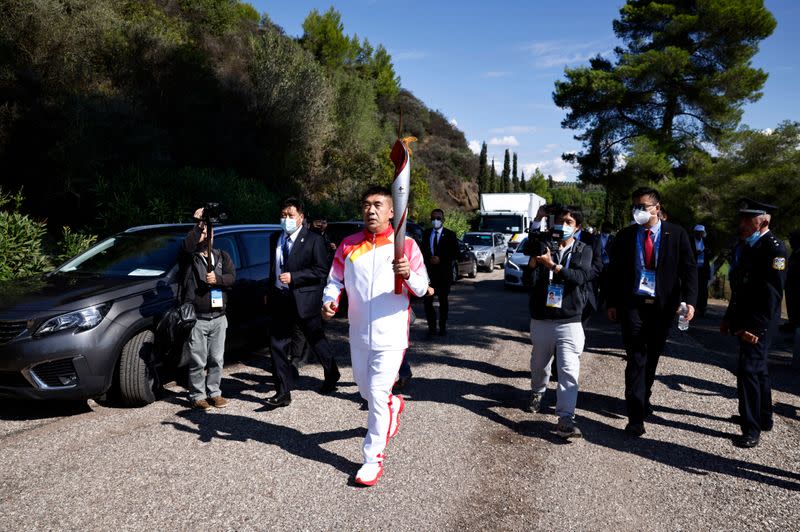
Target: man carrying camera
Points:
(561, 268)
(205, 284)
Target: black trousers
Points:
(645, 328)
(282, 331)
(442, 291)
(703, 276)
(753, 387)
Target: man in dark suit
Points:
(297, 279)
(606, 239)
(703, 260)
(440, 250)
(757, 274)
(652, 272)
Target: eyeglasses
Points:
(436, 218)
(643, 206)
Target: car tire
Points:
(474, 271)
(454, 272)
(491, 264)
(137, 379)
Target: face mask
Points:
(289, 225)
(752, 239)
(641, 217)
(567, 229)
(437, 224)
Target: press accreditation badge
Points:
(647, 283)
(555, 295)
(216, 298)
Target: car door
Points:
(253, 278)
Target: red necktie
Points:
(648, 250)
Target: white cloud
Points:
(410, 55)
(475, 147)
(557, 167)
(559, 53)
(514, 130)
(509, 140)
(453, 122)
(496, 74)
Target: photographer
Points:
(560, 266)
(205, 285)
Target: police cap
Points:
(750, 207)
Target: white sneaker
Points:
(398, 405)
(369, 474)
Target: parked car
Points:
(467, 263)
(489, 248)
(88, 327)
(514, 268)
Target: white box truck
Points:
(509, 213)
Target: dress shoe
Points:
(331, 378)
(279, 399)
(634, 429)
(369, 474)
(747, 442)
(401, 382)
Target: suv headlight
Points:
(82, 320)
(481, 253)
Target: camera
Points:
(548, 239)
(213, 213)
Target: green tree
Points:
(523, 185)
(483, 172)
(505, 180)
(492, 178)
(679, 82)
(387, 83)
(515, 178)
(323, 36)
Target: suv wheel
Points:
(491, 264)
(455, 271)
(137, 380)
(474, 271)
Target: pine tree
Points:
(492, 181)
(523, 186)
(506, 177)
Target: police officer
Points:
(758, 273)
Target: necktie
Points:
(285, 249)
(648, 250)
(436, 244)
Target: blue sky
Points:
(490, 66)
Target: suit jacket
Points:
(676, 270)
(593, 284)
(308, 264)
(440, 274)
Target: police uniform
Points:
(757, 276)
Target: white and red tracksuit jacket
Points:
(378, 317)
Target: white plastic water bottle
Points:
(683, 323)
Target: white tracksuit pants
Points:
(375, 373)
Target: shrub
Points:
(73, 243)
(21, 252)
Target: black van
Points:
(88, 327)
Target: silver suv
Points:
(489, 248)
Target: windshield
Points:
(128, 255)
(501, 223)
(478, 240)
(518, 247)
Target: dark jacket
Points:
(676, 271)
(194, 288)
(442, 273)
(593, 241)
(308, 264)
(574, 277)
(757, 278)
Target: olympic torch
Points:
(401, 157)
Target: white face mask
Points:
(641, 217)
(437, 224)
(289, 225)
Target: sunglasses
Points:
(436, 218)
(643, 206)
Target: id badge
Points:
(555, 295)
(216, 298)
(647, 283)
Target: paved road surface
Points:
(467, 456)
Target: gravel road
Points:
(467, 456)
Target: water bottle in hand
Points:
(683, 323)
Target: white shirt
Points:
(279, 255)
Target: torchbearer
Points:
(365, 266)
